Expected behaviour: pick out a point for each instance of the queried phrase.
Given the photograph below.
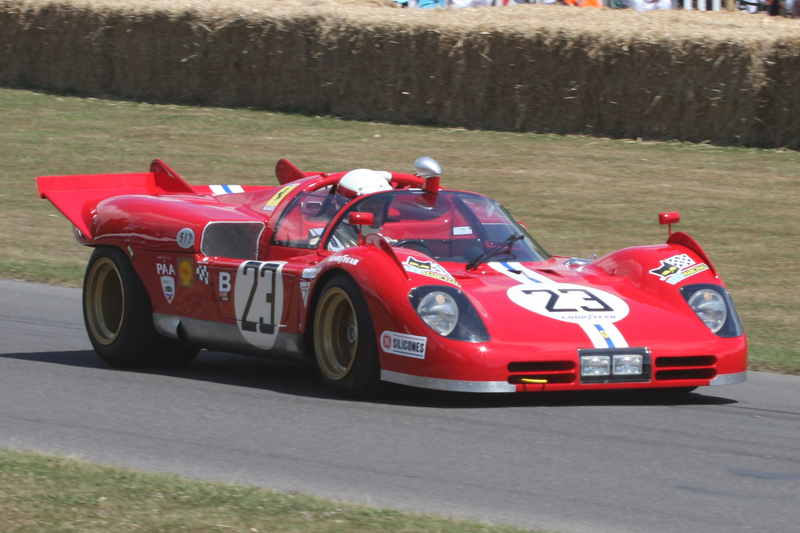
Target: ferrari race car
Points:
(381, 276)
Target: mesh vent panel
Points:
(237, 240)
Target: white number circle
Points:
(185, 238)
(569, 303)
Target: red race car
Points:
(381, 276)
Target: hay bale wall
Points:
(728, 78)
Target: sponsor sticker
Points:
(163, 268)
(428, 268)
(344, 259)
(677, 268)
(202, 273)
(185, 272)
(279, 196)
(168, 286)
(403, 344)
(310, 273)
(462, 230)
(304, 286)
(185, 238)
(224, 287)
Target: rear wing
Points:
(77, 196)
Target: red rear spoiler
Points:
(77, 196)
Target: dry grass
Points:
(727, 77)
(579, 195)
(42, 493)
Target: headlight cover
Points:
(712, 304)
(448, 312)
(440, 311)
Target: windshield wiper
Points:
(508, 243)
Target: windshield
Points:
(459, 227)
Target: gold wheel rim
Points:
(336, 334)
(105, 301)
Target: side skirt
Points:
(226, 337)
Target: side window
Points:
(304, 222)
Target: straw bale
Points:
(730, 78)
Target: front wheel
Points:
(119, 317)
(344, 339)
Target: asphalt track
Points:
(725, 459)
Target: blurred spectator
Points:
(649, 5)
(584, 3)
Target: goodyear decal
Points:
(677, 268)
(595, 311)
(431, 269)
(278, 198)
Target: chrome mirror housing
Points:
(427, 167)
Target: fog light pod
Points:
(595, 365)
(628, 365)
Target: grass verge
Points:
(578, 195)
(44, 493)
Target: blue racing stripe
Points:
(605, 335)
(226, 189)
(514, 271)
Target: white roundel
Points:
(569, 303)
(185, 238)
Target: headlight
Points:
(439, 310)
(709, 306)
(448, 312)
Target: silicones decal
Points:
(595, 311)
(402, 344)
(258, 301)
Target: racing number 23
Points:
(554, 297)
(259, 271)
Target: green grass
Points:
(42, 494)
(578, 195)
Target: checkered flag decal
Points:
(202, 273)
(681, 261)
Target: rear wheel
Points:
(119, 317)
(344, 339)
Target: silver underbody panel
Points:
(729, 379)
(447, 384)
(225, 337)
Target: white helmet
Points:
(363, 181)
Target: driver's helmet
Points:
(362, 181)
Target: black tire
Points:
(119, 317)
(344, 339)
